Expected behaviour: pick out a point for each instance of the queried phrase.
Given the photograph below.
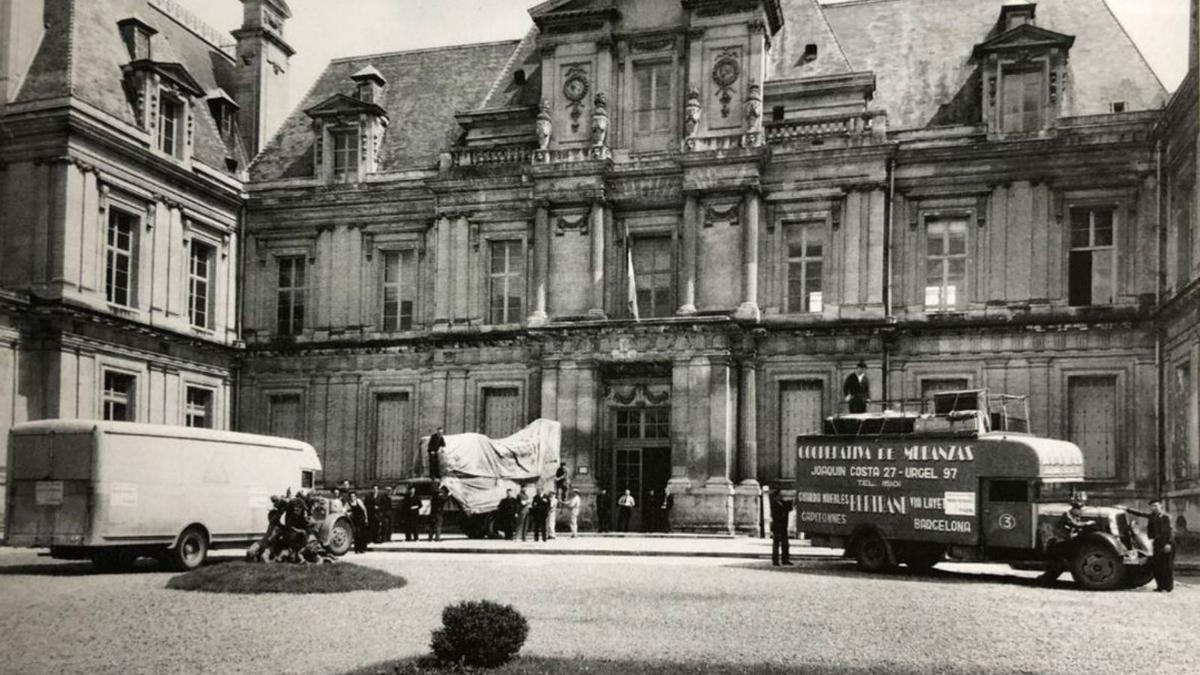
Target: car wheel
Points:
(190, 552)
(872, 554)
(1097, 568)
(341, 537)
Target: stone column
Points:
(687, 269)
(749, 306)
(541, 264)
(721, 438)
(441, 293)
(748, 421)
(597, 227)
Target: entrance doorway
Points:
(641, 462)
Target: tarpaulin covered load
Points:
(477, 470)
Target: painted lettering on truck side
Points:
(925, 491)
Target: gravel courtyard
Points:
(63, 618)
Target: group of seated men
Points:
(293, 529)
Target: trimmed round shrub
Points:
(479, 633)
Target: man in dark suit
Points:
(434, 449)
(506, 514)
(412, 513)
(857, 389)
(1163, 536)
(538, 510)
(780, 509)
(380, 504)
(603, 511)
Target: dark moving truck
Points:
(958, 478)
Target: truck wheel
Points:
(190, 552)
(341, 537)
(113, 560)
(1097, 568)
(872, 554)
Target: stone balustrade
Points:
(853, 125)
(492, 156)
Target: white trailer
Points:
(114, 491)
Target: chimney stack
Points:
(263, 61)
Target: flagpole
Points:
(630, 277)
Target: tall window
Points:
(200, 284)
(289, 317)
(652, 105)
(1023, 101)
(805, 263)
(170, 118)
(1093, 257)
(653, 272)
(945, 263)
(345, 154)
(506, 282)
(119, 396)
(198, 410)
(399, 289)
(118, 249)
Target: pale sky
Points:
(322, 30)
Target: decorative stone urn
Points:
(754, 104)
(544, 126)
(600, 121)
(691, 112)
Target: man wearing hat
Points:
(1070, 524)
(780, 510)
(857, 389)
(1161, 533)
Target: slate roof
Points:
(424, 89)
(920, 51)
(82, 53)
(805, 24)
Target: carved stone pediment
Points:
(341, 105)
(1025, 37)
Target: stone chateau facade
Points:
(674, 226)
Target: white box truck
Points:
(115, 491)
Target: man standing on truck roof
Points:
(436, 443)
(780, 510)
(1163, 535)
(857, 389)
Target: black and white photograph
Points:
(632, 337)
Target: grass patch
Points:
(536, 665)
(244, 577)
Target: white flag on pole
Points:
(630, 278)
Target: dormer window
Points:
(136, 35)
(1022, 107)
(1023, 72)
(368, 84)
(223, 109)
(170, 124)
(345, 154)
(348, 129)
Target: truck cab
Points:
(957, 477)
